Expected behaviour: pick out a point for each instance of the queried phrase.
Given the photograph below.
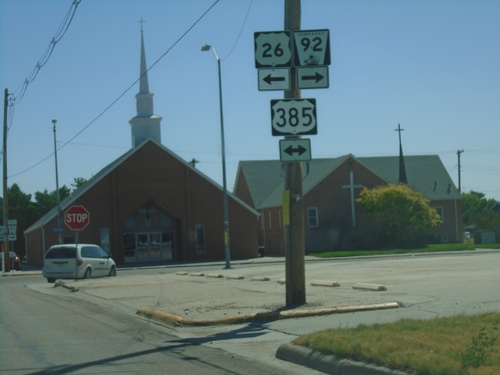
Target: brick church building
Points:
(150, 205)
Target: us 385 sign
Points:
(293, 116)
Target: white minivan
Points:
(77, 261)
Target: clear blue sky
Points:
(431, 65)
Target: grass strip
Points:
(456, 345)
(433, 248)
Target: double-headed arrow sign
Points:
(295, 149)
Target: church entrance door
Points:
(154, 246)
(149, 235)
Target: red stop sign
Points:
(76, 217)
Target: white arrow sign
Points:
(312, 77)
(274, 79)
(295, 149)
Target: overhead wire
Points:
(16, 97)
(61, 31)
(239, 34)
(123, 93)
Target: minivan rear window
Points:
(61, 253)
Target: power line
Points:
(19, 93)
(123, 93)
(241, 31)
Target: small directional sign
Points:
(295, 149)
(312, 47)
(312, 77)
(274, 79)
(273, 49)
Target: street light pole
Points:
(57, 185)
(208, 47)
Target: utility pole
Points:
(59, 229)
(294, 231)
(459, 152)
(6, 250)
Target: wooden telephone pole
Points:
(6, 250)
(294, 231)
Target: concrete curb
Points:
(372, 287)
(176, 320)
(328, 363)
(20, 273)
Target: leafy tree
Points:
(45, 201)
(77, 182)
(26, 211)
(476, 210)
(401, 210)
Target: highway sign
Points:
(274, 79)
(312, 47)
(76, 218)
(273, 49)
(10, 229)
(293, 116)
(312, 77)
(295, 149)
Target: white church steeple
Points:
(145, 125)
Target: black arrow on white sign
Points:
(291, 150)
(269, 79)
(317, 77)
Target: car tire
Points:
(112, 272)
(51, 280)
(87, 274)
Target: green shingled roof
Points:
(426, 174)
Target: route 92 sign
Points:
(312, 47)
(293, 116)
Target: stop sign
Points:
(76, 217)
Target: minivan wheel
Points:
(51, 280)
(88, 274)
(112, 272)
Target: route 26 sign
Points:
(273, 49)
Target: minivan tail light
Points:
(79, 262)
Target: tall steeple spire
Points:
(144, 85)
(402, 169)
(145, 125)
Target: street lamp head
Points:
(208, 47)
(54, 121)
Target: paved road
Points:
(425, 286)
(60, 333)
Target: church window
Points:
(312, 217)
(440, 212)
(166, 221)
(200, 239)
(105, 239)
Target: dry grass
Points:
(445, 346)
